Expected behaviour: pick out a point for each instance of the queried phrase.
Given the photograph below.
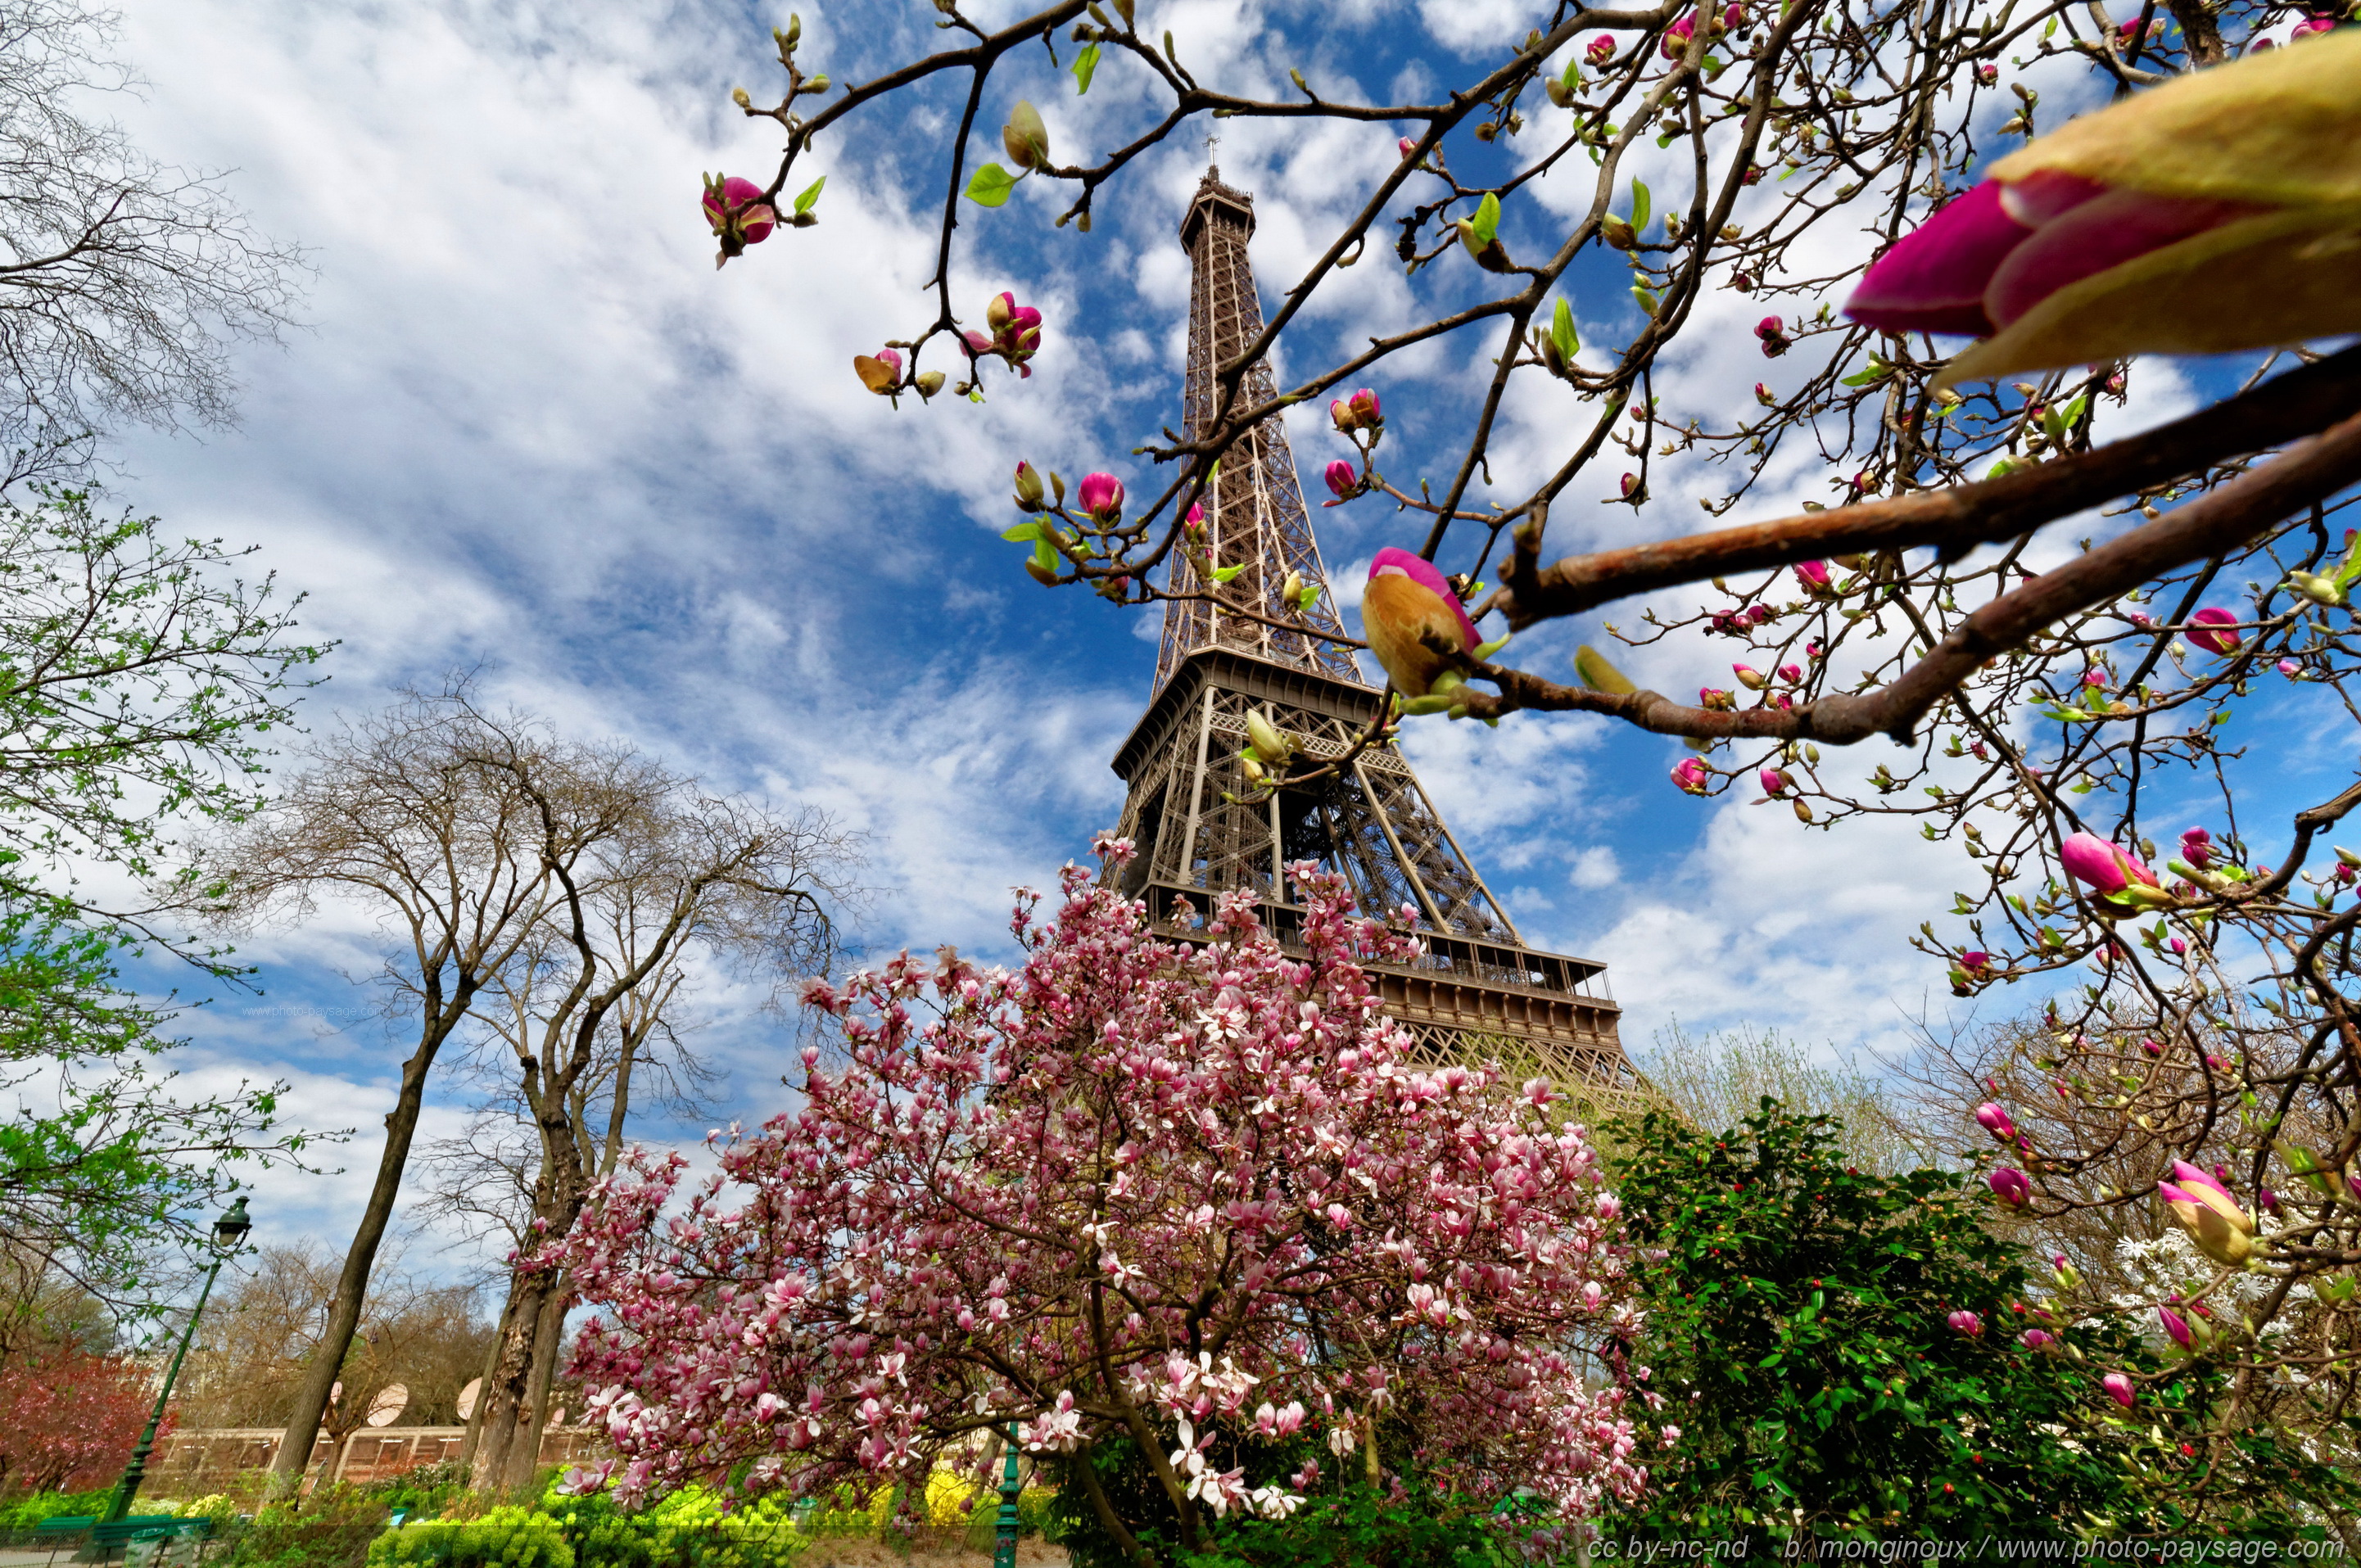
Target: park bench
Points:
(110, 1536)
(52, 1534)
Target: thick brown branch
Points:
(2219, 520)
(2296, 404)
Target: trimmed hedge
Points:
(503, 1538)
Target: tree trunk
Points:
(525, 1457)
(476, 1412)
(294, 1454)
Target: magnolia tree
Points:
(2051, 710)
(1194, 1197)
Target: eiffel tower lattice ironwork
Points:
(1478, 992)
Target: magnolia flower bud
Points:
(2009, 1185)
(1966, 1322)
(930, 382)
(1024, 138)
(1343, 480)
(1617, 231)
(2118, 1387)
(1273, 747)
(1291, 589)
(739, 96)
(1028, 487)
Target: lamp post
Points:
(228, 1232)
(1004, 1546)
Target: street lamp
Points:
(229, 1231)
(1003, 1547)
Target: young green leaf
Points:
(990, 185)
(1640, 208)
(1022, 533)
(1224, 573)
(1562, 333)
(1486, 220)
(1047, 556)
(804, 202)
(1084, 64)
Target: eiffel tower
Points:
(1478, 992)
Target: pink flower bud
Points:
(1986, 74)
(2096, 676)
(1966, 1322)
(1979, 965)
(1775, 783)
(1601, 50)
(2009, 1185)
(1813, 575)
(2175, 1325)
(1676, 39)
(1631, 484)
(1765, 396)
(1405, 147)
(1791, 674)
(1691, 775)
(1995, 1120)
(1343, 480)
(1195, 521)
(2091, 859)
(2036, 1338)
(1101, 495)
(1774, 335)
(2204, 630)
(2118, 1387)
(1750, 679)
(740, 201)
(1365, 409)
(2288, 668)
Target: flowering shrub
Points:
(1860, 1356)
(502, 1538)
(68, 1418)
(1195, 1197)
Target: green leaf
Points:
(1591, 668)
(990, 185)
(1562, 333)
(804, 202)
(1486, 220)
(1022, 533)
(1084, 64)
(1224, 573)
(1045, 555)
(1642, 210)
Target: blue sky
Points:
(530, 427)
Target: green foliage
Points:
(1797, 1331)
(1359, 1526)
(29, 1511)
(1337, 1525)
(504, 1538)
(139, 678)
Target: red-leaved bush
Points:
(68, 1420)
(1197, 1196)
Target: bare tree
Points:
(452, 827)
(123, 281)
(261, 1339)
(691, 881)
(1717, 1080)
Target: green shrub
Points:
(28, 1511)
(1796, 1330)
(504, 1538)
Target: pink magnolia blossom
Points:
(2208, 629)
(2118, 1387)
(1990, 256)
(1343, 478)
(1405, 147)
(2009, 1185)
(1774, 781)
(1101, 495)
(1405, 601)
(2175, 1327)
(2036, 1338)
(738, 215)
(998, 1210)
(1765, 396)
(1966, 1322)
(1691, 775)
(1015, 333)
(2197, 847)
(1773, 332)
(1814, 575)
(2105, 868)
(1600, 51)
(1994, 1120)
